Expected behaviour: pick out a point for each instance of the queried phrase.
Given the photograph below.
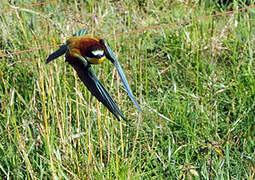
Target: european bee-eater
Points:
(80, 52)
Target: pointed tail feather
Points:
(62, 50)
(80, 33)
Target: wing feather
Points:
(97, 89)
(110, 55)
(59, 52)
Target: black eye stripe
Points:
(94, 52)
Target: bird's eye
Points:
(98, 53)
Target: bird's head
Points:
(95, 54)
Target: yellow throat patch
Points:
(96, 60)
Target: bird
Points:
(81, 52)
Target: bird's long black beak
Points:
(109, 55)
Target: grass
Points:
(195, 83)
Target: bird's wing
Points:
(87, 76)
(109, 55)
(61, 50)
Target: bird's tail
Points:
(61, 50)
(80, 33)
